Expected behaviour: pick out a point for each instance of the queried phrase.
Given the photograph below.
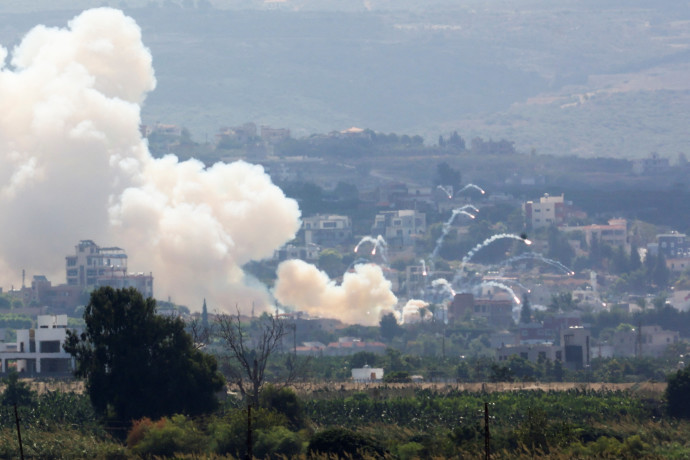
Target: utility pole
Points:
(250, 450)
(487, 434)
(19, 433)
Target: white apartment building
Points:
(39, 351)
(550, 210)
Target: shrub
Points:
(277, 441)
(166, 437)
(284, 401)
(342, 442)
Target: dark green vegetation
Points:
(137, 363)
(374, 422)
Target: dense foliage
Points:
(137, 363)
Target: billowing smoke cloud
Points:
(413, 310)
(73, 166)
(362, 297)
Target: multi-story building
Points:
(613, 234)
(39, 351)
(550, 210)
(93, 266)
(498, 310)
(399, 228)
(327, 230)
(575, 341)
(673, 245)
(274, 135)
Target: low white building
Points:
(39, 351)
(367, 374)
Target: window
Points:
(329, 224)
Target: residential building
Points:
(93, 266)
(39, 351)
(550, 210)
(654, 164)
(613, 234)
(327, 230)
(534, 353)
(673, 245)
(645, 341)
(400, 228)
(576, 347)
(274, 135)
(497, 310)
(308, 252)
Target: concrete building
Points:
(367, 374)
(39, 351)
(497, 310)
(93, 266)
(399, 228)
(274, 135)
(550, 210)
(576, 347)
(534, 353)
(673, 245)
(613, 234)
(327, 230)
(645, 341)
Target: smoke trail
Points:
(536, 256)
(448, 225)
(379, 244)
(510, 291)
(445, 190)
(362, 297)
(469, 186)
(490, 240)
(73, 165)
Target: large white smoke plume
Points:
(362, 298)
(73, 166)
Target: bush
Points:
(285, 402)
(678, 404)
(165, 437)
(277, 441)
(342, 442)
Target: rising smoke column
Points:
(362, 297)
(73, 166)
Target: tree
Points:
(140, 364)
(250, 347)
(389, 327)
(526, 310)
(16, 392)
(678, 403)
(448, 176)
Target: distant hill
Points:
(605, 78)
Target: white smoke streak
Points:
(536, 256)
(73, 166)
(469, 186)
(447, 226)
(490, 240)
(362, 298)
